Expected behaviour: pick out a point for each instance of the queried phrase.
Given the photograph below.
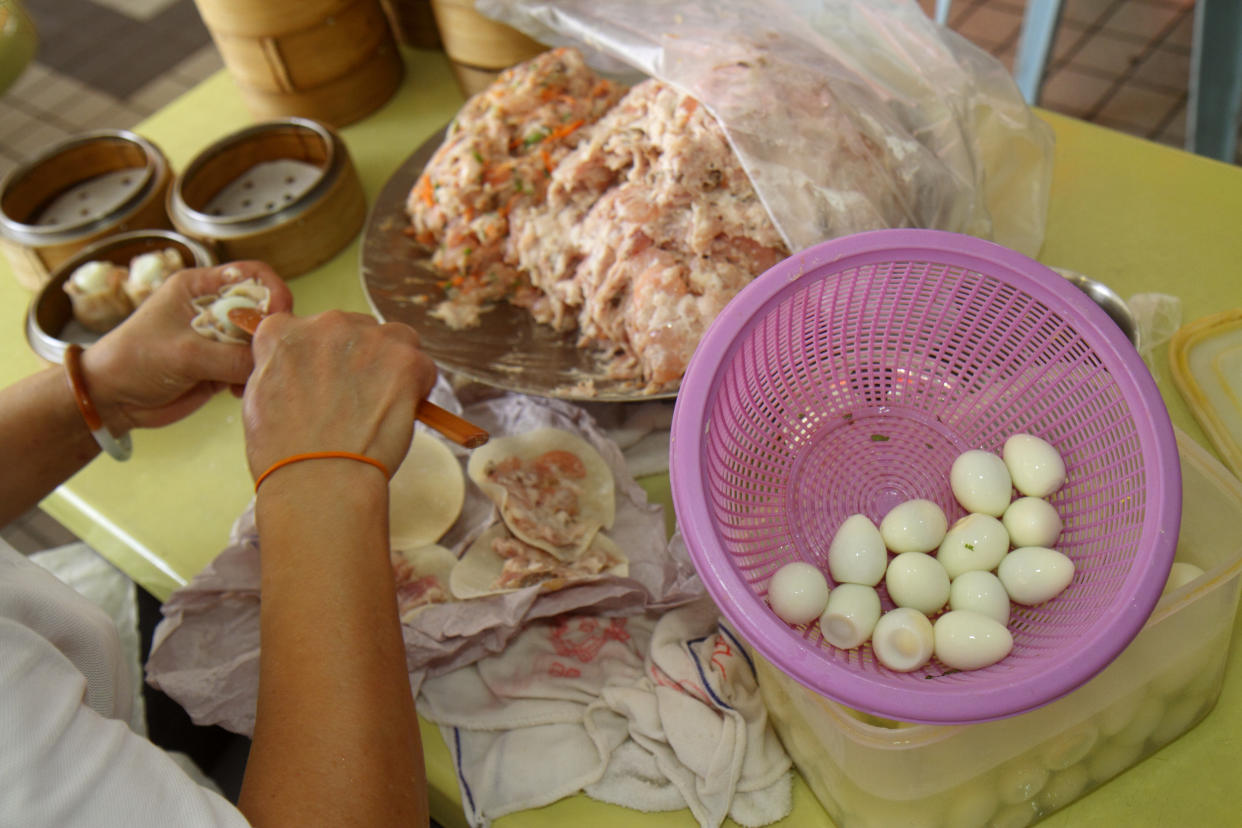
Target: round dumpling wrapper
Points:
(516, 471)
(425, 496)
(480, 570)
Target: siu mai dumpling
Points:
(148, 271)
(212, 320)
(553, 489)
(97, 293)
(498, 562)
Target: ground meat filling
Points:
(544, 496)
(498, 155)
(414, 590)
(526, 565)
(626, 218)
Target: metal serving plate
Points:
(509, 350)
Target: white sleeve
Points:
(63, 764)
(67, 755)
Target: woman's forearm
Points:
(336, 738)
(43, 440)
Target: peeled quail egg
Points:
(1176, 676)
(1177, 720)
(973, 804)
(851, 615)
(1035, 466)
(918, 581)
(798, 593)
(1117, 715)
(857, 554)
(903, 639)
(968, 640)
(981, 592)
(1111, 759)
(221, 307)
(976, 542)
(1180, 574)
(1064, 787)
(914, 526)
(1069, 747)
(980, 482)
(1020, 780)
(1146, 719)
(1034, 574)
(1032, 521)
(1015, 816)
(212, 317)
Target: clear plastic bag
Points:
(847, 116)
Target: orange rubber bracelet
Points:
(321, 455)
(119, 449)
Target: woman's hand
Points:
(333, 382)
(153, 369)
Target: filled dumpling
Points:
(499, 562)
(97, 293)
(553, 489)
(212, 320)
(148, 271)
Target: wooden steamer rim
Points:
(51, 310)
(27, 192)
(302, 231)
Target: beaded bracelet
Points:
(119, 448)
(320, 455)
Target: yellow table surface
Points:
(1139, 216)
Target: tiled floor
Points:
(157, 49)
(1124, 64)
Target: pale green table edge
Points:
(1107, 219)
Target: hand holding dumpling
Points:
(154, 369)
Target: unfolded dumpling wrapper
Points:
(205, 652)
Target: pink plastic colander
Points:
(846, 380)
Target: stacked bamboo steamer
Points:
(283, 191)
(50, 325)
(413, 24)
(92, 185)
(478, 47)
(334, 61)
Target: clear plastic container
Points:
(1011, 772)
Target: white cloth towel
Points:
(651, 712)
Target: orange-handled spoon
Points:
(462, 432)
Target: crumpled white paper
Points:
(205, 650)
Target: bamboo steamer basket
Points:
(50, 326)
(89, 186)
(334, 61)
(478, 47)
(413, 23)
(284, 191)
